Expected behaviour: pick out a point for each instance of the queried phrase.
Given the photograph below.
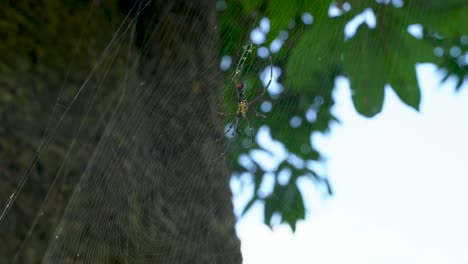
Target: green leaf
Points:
(364, 65)
(399, 56)
(293, 206)
(286, 200)
(288, 10)
(231, 26)
(249, 204)
(405, 84)
(258, 177)
(318, 9)
(247, 6)
(318, 50)
(445, 17)
(271, 205)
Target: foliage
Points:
(314, 55)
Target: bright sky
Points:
(400, 182)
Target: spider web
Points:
(133, 186)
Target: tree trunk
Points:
(131, 167)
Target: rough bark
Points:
(139, 184)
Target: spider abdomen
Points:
(242, 109)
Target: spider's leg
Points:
(226, 148)
(258, 97)
(226, 114)
(251, 132)
(234, 129)
(233, 125)
(260, 115)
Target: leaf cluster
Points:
(373, 58)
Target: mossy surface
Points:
(47, 51)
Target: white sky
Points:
(399, 182)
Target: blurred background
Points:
(406, 200)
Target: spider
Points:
(243, 108)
